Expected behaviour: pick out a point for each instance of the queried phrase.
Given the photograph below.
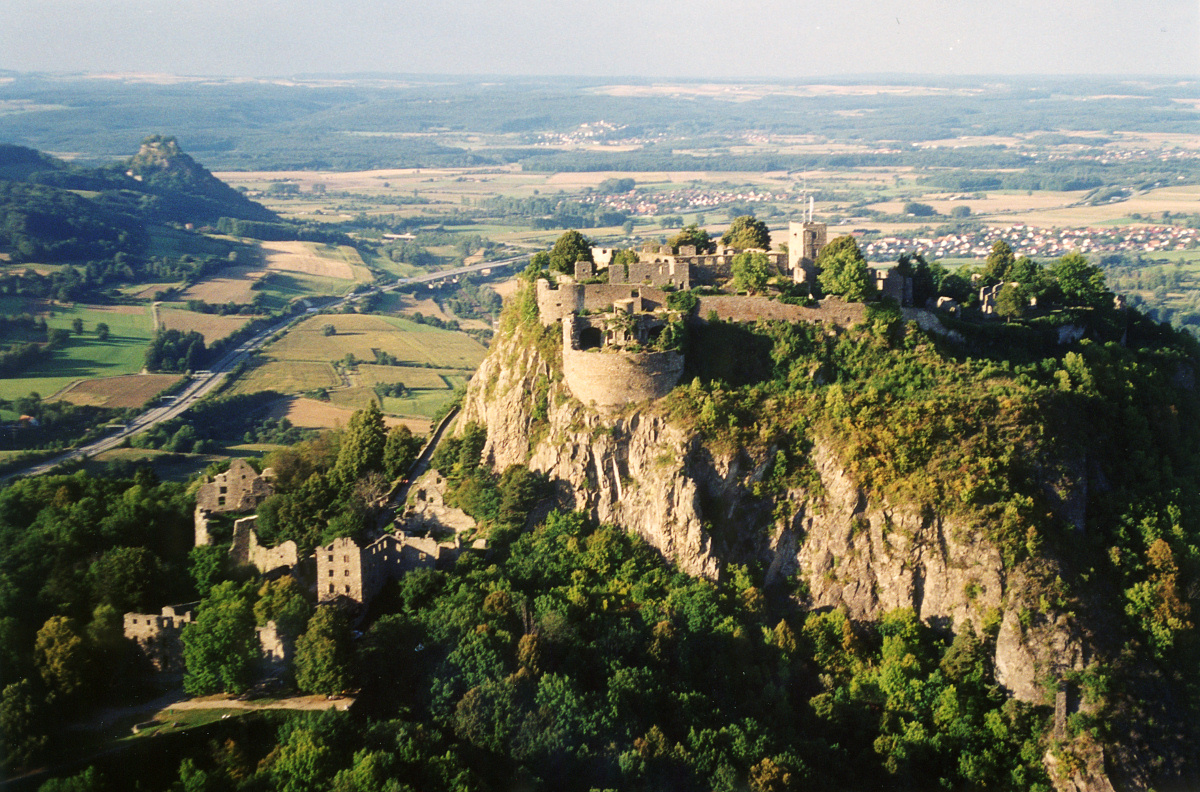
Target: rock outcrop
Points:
(640, 470)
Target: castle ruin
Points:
(609, 330)
(160, 636)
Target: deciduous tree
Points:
(572, 246)
(843, 270)
(747, 231)
(220, 648)
(324, 653)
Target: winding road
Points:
(201, 383)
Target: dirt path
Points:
(290, 703)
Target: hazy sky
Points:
(650, 38)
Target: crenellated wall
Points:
(555, 302)
(743, 308)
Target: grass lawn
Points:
(86, 357)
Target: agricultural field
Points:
(433, 364)
(212, 326)
(126, 391)
(86, 357)
(234, 284)
(310, 258)
(316, 414)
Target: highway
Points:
(201, 383)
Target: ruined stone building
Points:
(159, 636)
(238, 490)
(348, 572)
(246, 551)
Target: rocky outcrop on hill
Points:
(843, 547)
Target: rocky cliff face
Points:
(696, 506)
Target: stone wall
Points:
(158, 635)
(613, 379)
(245, 549)
(555, 302)
(347, 572)
(239, 489)
(339, 571)
(200, 527)
(277, 648)
(741, 308)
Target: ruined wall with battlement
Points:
(555, 302)
(158, 635)
(741, 308)
(246, 551)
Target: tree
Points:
(362, 447)
(1011, 302)
(220, 648)
(328, 330)
(691, 235)
(919, 209)
(843, 270)
(999, 261)
(77, 325)
(747, 232)
(23, 725)
(572, 246)
(400, 451)
(750, 271)
(206, 566)
(283, 602)
(102, 331)
(1080, 282)
(324, 653)
(127, 578)
(61, 656)
(960, 212)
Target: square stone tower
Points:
(805, 241)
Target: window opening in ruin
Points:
(653, 333)
(330, 588)
(590, 338)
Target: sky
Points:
(778, 39)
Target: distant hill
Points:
(105, 220)
(184, 186)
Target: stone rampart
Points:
(743, 308)
(613, 379)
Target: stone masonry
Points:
(158, 636)
(240, 489)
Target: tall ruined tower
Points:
(805, 241)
